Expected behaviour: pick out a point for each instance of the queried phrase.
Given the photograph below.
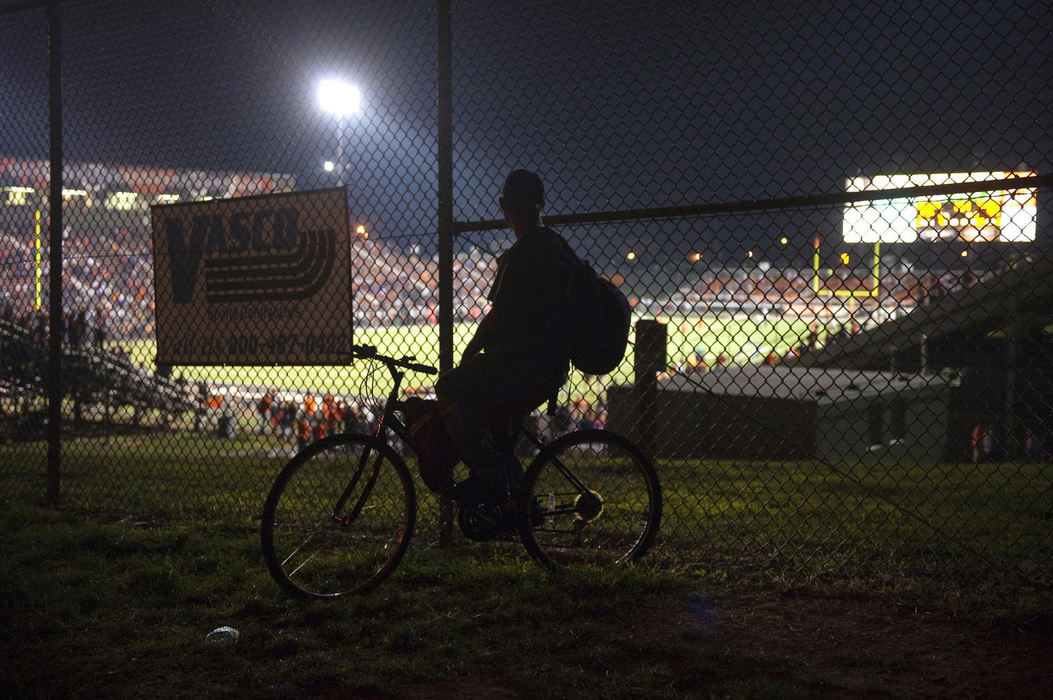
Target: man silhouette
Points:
(515, 359)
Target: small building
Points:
(791, 412)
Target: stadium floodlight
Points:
(339, 98)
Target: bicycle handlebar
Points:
(369, 352)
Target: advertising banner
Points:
(253, 280)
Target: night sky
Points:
(618, 105)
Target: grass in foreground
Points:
(121, 610)
(124, 609)
(956, 531)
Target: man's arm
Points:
(484, 334)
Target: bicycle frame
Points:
(389, 420)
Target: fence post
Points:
(649, 359)
(54, 379)
(444, 137)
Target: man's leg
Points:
(478, 394)
(465, 394)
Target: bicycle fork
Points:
(363, 464)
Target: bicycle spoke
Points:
(346, 553)
(609, 514)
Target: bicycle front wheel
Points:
(590, 498)
(339, 517)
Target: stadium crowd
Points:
(109, 296)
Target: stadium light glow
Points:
(339, 98)
(122, 201)
(18, 195)
(329, 166)
(631, 255)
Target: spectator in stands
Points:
(987, 442)
(561, 422)
(202, 405)
(1029, 445)
(303, 432)
(318, 432)
(355, 420)
(981, 441)
(99, 334)
(291, 418)
(40, 331)
(277, 415)
(330, 413)
(263, 408)
(812, 341)
(76, 329)
(589, 420)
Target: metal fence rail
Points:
(840, 216)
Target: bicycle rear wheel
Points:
(590, 498)
(339, 517)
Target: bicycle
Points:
(340, 515)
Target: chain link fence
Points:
(838, 213)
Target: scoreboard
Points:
(1006, 215)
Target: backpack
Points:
(436, 453)
(597, 319)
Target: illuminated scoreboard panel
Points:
(999, 215)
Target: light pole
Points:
(342, 100)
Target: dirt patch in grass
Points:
(857, 646)
(803, 644)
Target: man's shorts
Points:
(502, 391)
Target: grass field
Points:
(741, 339)
(956, 530)
(768, 580)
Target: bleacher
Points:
(959, 329)
(94, 375)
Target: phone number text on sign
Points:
(265, 348)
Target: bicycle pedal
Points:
(484, 522)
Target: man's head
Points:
(523, 195)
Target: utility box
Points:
(783, 412)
